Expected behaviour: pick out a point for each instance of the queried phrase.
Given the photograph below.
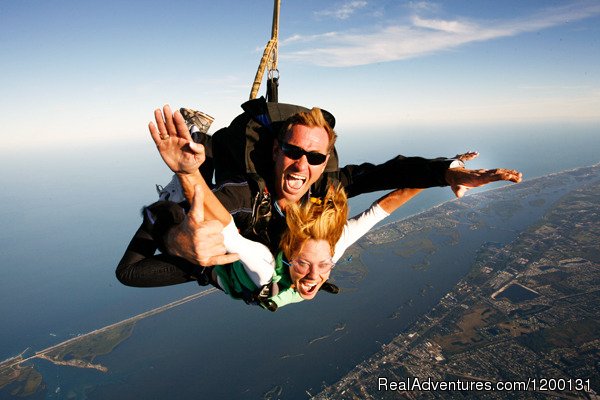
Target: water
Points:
(299, 349)
(68, 216)
(517, 294)
(66, 224)
(535, 150)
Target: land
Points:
(79, 352)
(527, 310)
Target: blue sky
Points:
(93, 71)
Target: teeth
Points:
(295, 182)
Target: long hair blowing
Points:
(323, 219)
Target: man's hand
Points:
(197, 240)
(174, 142)
(462, 179)
(468, 156)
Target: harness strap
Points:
(261, 296)
(273, 87)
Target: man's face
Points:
(293, 178)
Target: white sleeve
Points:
(357, 226)
(258, 261)
(456, 164)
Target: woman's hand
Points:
(174, 142)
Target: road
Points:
(14, 361)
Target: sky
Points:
(91, 72)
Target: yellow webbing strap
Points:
(270, 54)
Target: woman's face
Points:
(310, 268)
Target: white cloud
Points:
(308, 39)
(420, 6)
(444, 26)
(421, 36)
(344, 11)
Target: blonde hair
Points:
(318, 219)
(312, 119)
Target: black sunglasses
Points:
(295, 153)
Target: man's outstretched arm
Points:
(417, 172)
(140, 267)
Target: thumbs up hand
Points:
(197, 240)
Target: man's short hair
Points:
(312, 119)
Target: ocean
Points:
(68, 216)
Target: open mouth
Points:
(307, 287)
(294, 181)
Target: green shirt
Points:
(234, 281)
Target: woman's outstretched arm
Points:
(358, 226)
